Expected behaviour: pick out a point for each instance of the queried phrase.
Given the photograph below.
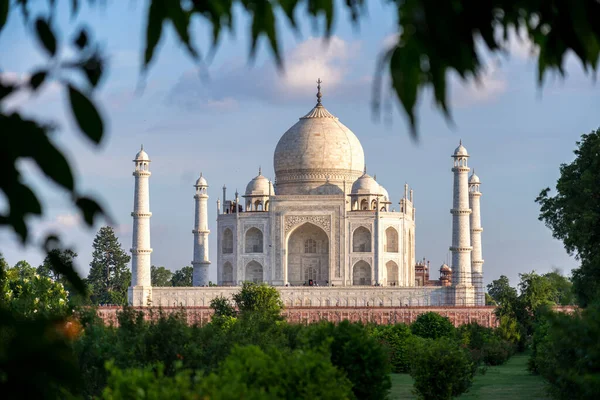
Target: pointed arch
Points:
(361, 240)
(391, 240)
(307, 255)
(361, 273)
(227, 242)
(254, 241)
(391, 273)
(254, 272)
(227, 276)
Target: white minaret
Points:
(461, 237)
(140, 292)
(201, 262)
(476, 229)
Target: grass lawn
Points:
(509, 381)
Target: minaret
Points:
(140, 291)
(461, 238)
(476, 229)
(201, 262)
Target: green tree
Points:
(49, 268)
(32, 295)
(441, 369)
(109, 275)
(161, 276)
(183, 277)
(432, 325)
(489, 300)
(23, 270)
(253, 298)
(573, 214)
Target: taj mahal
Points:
(324, 232)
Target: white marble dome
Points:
(316, 148)
(142, 155)
(201, 181)
(366, 185)
(461, 151)
(259, 186)
(474, 179)
(384, 193)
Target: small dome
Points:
(365, 185)
(142, 155)
(259, 186)
(445, 268)
(384, 192)
(201, 181)
(461, 151)
(474, 179)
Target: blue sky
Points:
(228, 125)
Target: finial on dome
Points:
(319, 95)
(200, 174)
(365, 169)
(142, 147)
(259, 170)
(460, 142)
(375, 176)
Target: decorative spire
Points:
(319, 95)
(259, 170)
(200, 174)
(142, 148)
(460, 142)
(365, 169)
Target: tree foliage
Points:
(109, 276)
(260, 298)
(441, 369)
(160, 276)
(432, 325)
(573, 214)
(183, 277)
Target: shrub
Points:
(354, 352)
(441, 369)
(568, 355)
(432, 325)
(496, 352)
(259, 298)
(397, 340)
(248, 372)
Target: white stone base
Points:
(464, 295)
(322, 296)
(139, 296)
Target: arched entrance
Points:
(308, 255)
(254, 272)
(361, 273)
(391, 273)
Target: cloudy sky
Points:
(225, 120)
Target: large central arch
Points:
(308, 255)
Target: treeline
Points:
(247, 351)
(108, 278)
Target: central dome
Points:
(318, 150)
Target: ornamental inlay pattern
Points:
(322, 221)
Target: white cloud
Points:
(316, 58)
(68, 220)
(490, 85)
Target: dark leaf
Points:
(93, 69)
(53, 164)
(89, 208)
(46, 36)
(37, 79)
(58, 264)
(156, 16)
(81, 40)
(4, 9)
(6, 89)
(86, 115)
(181, 22)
